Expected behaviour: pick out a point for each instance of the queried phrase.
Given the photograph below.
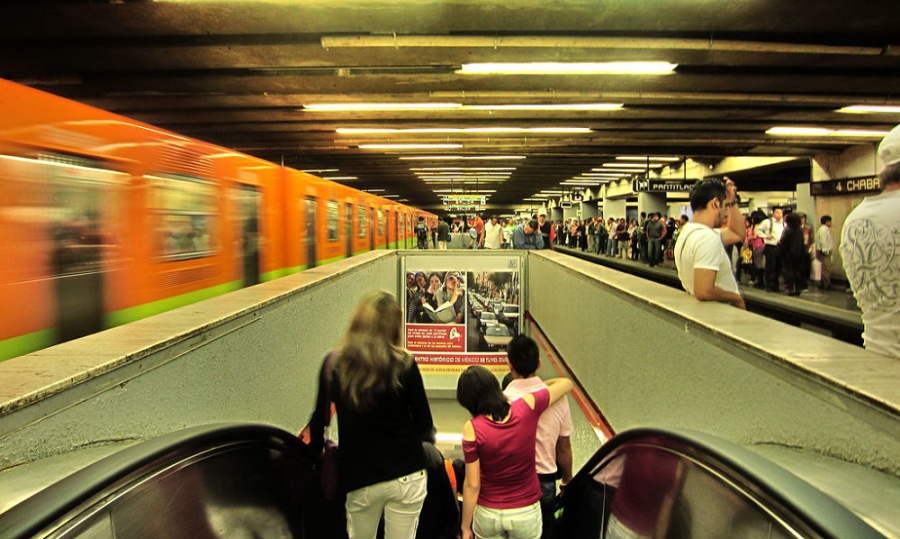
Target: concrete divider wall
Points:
(652, 355)
(253, 355)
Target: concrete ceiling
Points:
(239, 73)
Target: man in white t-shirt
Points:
(493, 234)
(703, 265)
(553, 446)
(870, 249)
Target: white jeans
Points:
(520, 523)
(399, 499)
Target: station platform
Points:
(643, 355)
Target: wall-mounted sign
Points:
(846, 186)
(663, 186)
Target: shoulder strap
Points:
(683, 240)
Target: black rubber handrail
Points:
(769, 483)
(47, 506)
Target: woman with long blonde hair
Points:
(383, 418)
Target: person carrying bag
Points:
(383, 418)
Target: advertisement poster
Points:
(462, 311)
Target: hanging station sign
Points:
(663, 186)
(846, 186)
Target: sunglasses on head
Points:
(452, 278)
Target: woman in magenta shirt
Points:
(501, 492)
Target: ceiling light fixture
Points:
(353, 107)
(461, 130)
(320, 170)
(460, 157)
(574, 68)
(631, 165)
(559, 106)
(824, 132)
(870, 109)
(437, 169)
(409, 146)
(647, 157)
(340, 178)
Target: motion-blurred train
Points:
(105, 220)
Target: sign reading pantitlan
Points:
(664, 186)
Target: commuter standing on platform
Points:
(501, 492)
(703, 267)
(383, 418)
(656, 232)
(771, 230)
(422, 234)
(824, 247)
(870, 247)
(554, 447)
(544, 227)
(443, 234)
(528, 236)
(493, 234)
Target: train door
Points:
(311, 232)
(82, 236)
(397, 228)
(250, 234)
(348, 233)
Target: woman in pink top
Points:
(501, 492)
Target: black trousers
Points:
(773, 268)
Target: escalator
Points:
(203, 482)
(647, 483)
(257, 481)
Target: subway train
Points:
(105, 220)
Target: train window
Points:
(186, 218)
(363, 217)
(380, 223)
(334, 215)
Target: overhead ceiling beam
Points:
(587, 42)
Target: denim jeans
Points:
(519, 523)
(399, 499)
(654, 251)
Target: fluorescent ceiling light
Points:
(825, 132)
(390, 196)
(374, 190)
(859, 133)
(319, 170)
(460, 157)
(816, 131)
(350, 107)
(645, 158)
(436, 169)
(631, 165)
(408, 146)
(870, 109)
(575, 68)
(338, 178)
(620, 171)
(560, 106)
(460, 130)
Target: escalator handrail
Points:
(814, 508)
(46, 506)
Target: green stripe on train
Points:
(126, 316)
(26, 344)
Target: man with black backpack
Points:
(422, 234)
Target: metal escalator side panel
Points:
(676, 483)
(244, 480)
